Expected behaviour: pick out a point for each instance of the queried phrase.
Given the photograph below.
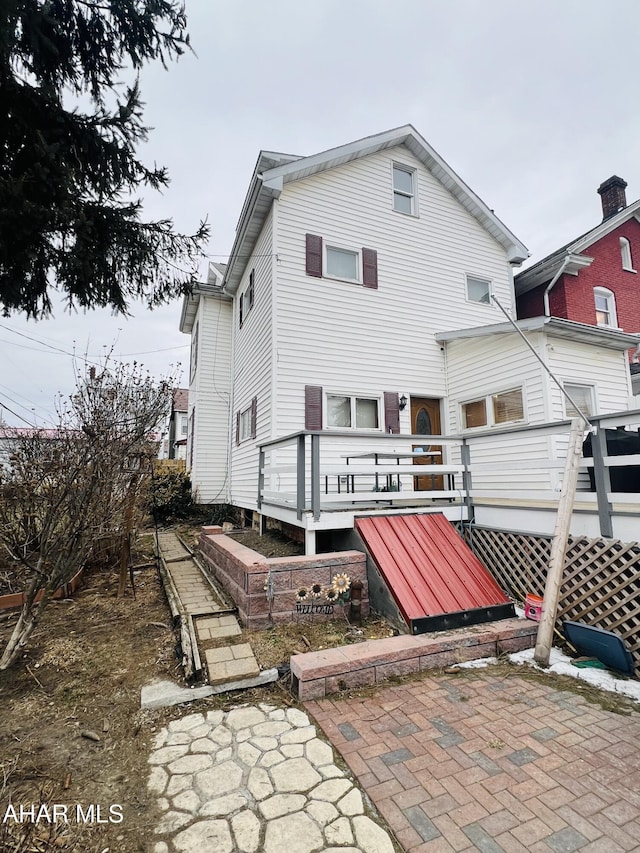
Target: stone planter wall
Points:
(243, 573)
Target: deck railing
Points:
(312, 471)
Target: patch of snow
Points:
(560, 664)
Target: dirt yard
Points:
(71, 729)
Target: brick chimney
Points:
(613, 196)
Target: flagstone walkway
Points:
(256, 780)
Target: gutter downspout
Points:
(545, 297)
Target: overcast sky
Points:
(532, 102)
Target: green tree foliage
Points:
(69, 172)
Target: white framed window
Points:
(194, 353)
(342, 263)
(245, 424)
(184, 425)
(505, 407)
(404, 189)
(478, 290)
(625, 251)
(346, 411)
(584, 398)
(605, 303)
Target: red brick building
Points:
(594, 279)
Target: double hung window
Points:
(404, 194)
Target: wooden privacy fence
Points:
(600, 580)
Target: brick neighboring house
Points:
(593, 279)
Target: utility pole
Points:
(544, 639)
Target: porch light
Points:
(403, 403)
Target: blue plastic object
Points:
(598, 643)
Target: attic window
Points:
(404, 189)
(625, 251)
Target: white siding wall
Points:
(351, 339)
(581, 364)
(252, 363)
(483, 366)
(209, 394)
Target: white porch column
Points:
(309, 542)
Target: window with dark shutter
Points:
(254, 416)
(314, 255)
(237, 427)
(241, 308)
(370, 268)
(313, 407)
(250, 292)
(391, 412)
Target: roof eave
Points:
(556, 326)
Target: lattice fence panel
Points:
(600, 582)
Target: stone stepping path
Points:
(195, 593)
(231, 663)
(255, 779)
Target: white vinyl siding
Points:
(375, 340)
(209, 397)
(252, 367)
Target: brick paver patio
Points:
(492, 762)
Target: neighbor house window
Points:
(582, 396)
(625, 251)
(350, 412)
(343, 263)
(478, 290)
(404, 189)
(184, 425)
(605, 307)
(503, 408)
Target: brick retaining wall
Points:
(318, 674)
(243, 573)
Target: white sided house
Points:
(358, 336)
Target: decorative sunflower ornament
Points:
(302, 594)
(341, 583)
(316, 590)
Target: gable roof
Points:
(544, 270)
(180, 400)
(273, 171)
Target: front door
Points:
(425, 420)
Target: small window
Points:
(478, 290)
(251, 290)
(403, 189)
(625, 251)
(194, 353)
(343, 263)
(582, 396)
(503, 408)
(347, 412)
(245, 424)
(605, 307)
(508, 406)
(474, 413)
(184, 425)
